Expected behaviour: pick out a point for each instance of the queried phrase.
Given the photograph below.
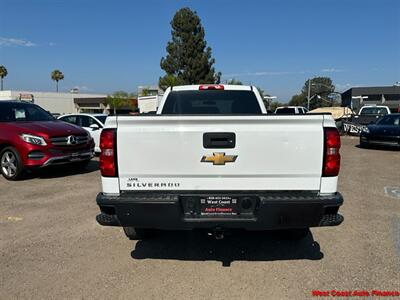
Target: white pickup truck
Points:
(212, 158)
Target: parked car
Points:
(212, 158)
(291, 110)
(30, 137)
(93, 123)
(370, 113)
(385, 132)
(367, 114)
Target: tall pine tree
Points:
(188, 59)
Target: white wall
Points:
(62, 103)
(148, 103)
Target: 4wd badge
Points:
(219, 158)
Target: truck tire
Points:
(11, 166)
(296, 234)
(138, 233)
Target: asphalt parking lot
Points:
(52, 247)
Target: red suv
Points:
(31, 138)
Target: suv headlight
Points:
(33, 139)
(365, 130)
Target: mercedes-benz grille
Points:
(70, 140)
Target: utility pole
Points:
(308, 96)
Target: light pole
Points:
(269, 99)
(308, 95)
(309, 91)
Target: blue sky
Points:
(104, 46)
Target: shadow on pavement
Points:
(62, 171)
(378, 147)
(239, 246)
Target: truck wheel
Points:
(138, 233)
(296, 234)
(10, 164)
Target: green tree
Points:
(274, 105)
(119, 99)
(262, 93)
(188, 59)
(57, 75)
(234, 81)
(319, 86)
(3, 73)
(298, 100)
(169, 80)
(145, 92)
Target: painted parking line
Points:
(11, 219)
(393, 191)
(396, 233)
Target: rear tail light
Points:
(331, 165)
(211, 87)
(108, 161)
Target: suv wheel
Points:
(10, 164)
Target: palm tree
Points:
(57, 75)
(3, 73)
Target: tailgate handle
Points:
(219, 140)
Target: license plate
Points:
(218, 205)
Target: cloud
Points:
(52, 44)
(282, 73)
(9, 42)
(332, 70)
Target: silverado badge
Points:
(219, 158)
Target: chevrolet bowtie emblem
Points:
(219, 158)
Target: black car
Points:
(385, 132)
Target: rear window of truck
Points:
(373, 111)
(211, 102)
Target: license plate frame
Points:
(218, 205)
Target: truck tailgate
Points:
(273, 153)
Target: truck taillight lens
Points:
(108, 162)
(331, 165)
(211, 87)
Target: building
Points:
(61, 103)
(149, 90)
(380, 95)
(149, 97)
(147, 104)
